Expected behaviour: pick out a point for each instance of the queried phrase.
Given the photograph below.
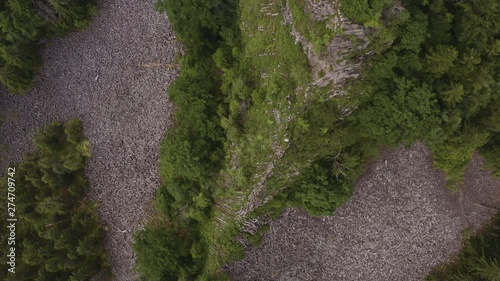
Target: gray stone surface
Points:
(400, 223)
(96, 75)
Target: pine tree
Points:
(16, 79)
(53, 214)
(24, 24)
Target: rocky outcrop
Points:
(333, 67)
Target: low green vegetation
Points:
(252, 135)
(24, 25)
(366, 12)
(192, 153)
(58, 235)
(245, 131)
(479, 260)
(319, 32)
(256, 238)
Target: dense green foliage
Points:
(253, 136)
(438, 82)
(367, 12)
(226, 121)
(169, 253)
(24, 24)
(479, 260)
(193, 151)
(318, 190)
(58, 235)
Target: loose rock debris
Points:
(93, 75)
(399, 224)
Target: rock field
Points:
(106, 76)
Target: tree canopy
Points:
(24, 25)
(438, 82)
(58, 235)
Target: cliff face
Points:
(331, 67)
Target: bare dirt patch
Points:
(97, 75)
(400, 223)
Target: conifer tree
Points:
(24, 24)
(59, 234)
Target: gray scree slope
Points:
(96, 75)
(400, 223)
(397, 226)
